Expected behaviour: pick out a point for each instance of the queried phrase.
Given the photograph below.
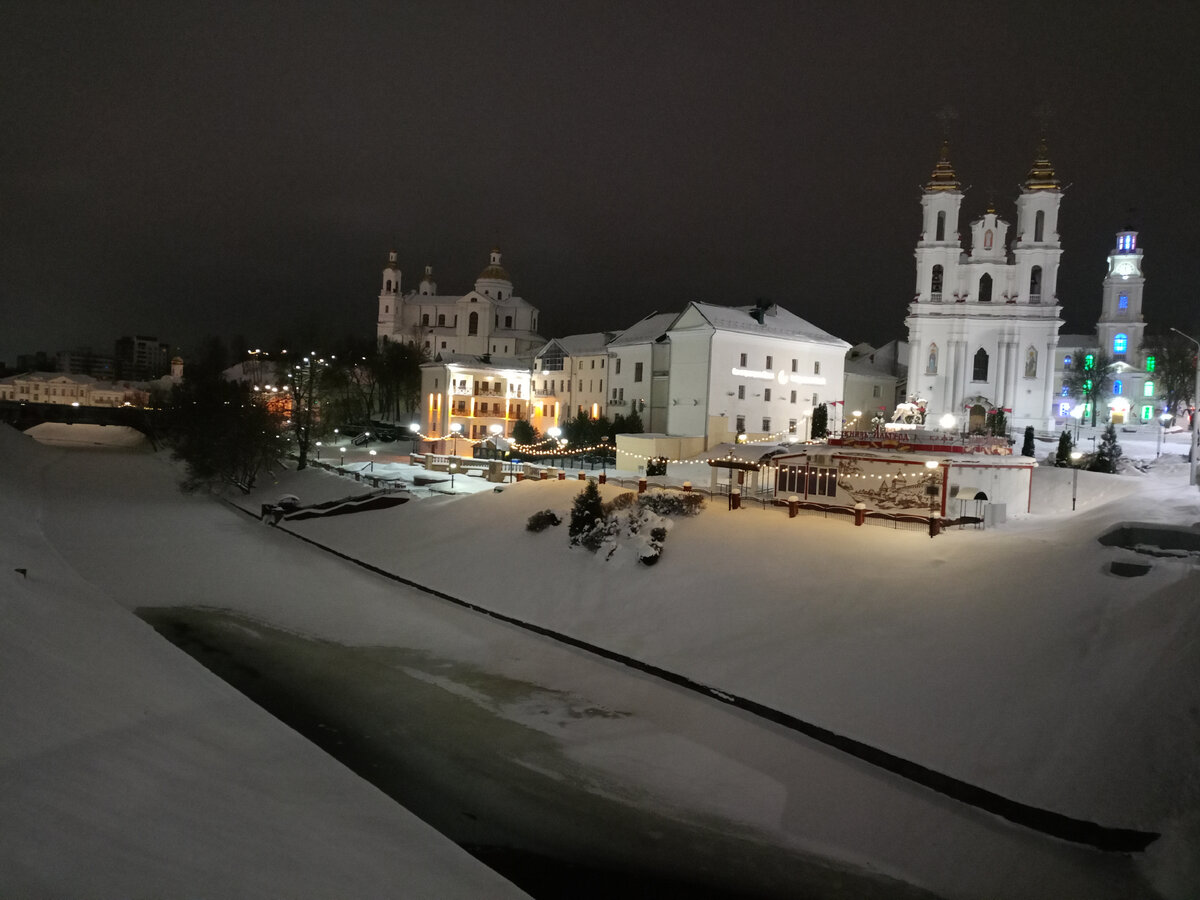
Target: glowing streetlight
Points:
(371, 464)
(455, 428)
(318, 449)
(453, 469)
(947, 422)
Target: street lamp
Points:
(342, 451)
(1076, 455)
(455, 428)
(1195, 406)
(318, 449)
(604, 457)
(453, 469)
(496, 431)
(1162, 426)
(371, 464)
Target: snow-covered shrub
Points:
(656, 465)
(540, 521)
(620, 502)
(586, 513)
(672, 503)
(652, 549)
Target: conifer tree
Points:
(1108, 452)
(1027, 446)
(586, 511)
(1063, 456)
(820, 421)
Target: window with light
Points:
(1148, 389)
(1147, 412)
(1150, 363)
(1118, 387)
(1120, 343)
(1089, 362)
(1123, 301)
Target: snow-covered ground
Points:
(128, 771)
(1011, 658)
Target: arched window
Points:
(473, 323)
(1031, 363)
(1117, 387)
(389, 286)
(987, 239)
(441, 319)
(980, 370)
(508, 321)
(1120, 343)
(935, 282)
(1148, 389)
(985, 288)
(1067, 360)
(940, 235)
(1035, 285)
(1123, 301)
(931, 363)
(1089, 362)
(1039, 225)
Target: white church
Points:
(983, 325)
(490, 320)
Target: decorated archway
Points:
(976, 418)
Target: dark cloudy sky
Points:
(185, 169)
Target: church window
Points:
(508, 321)
(497, 320)
(985, 288)
(940, 234)
(1031, 363)
(441, 320)
(389, 286)
(1118, 387)
(1148, 389)
(1087, 386)
(1039, 225)
(1089, 362)
(473, 323)
(1066, 360)
(935, 283)
(1150, 363)
(1064, 409)
(386, 309)
(443, 345)
(987, 239)
(980, 369)
(1123, 301)
(1035, 285)
(1066, 390)
(932, 361)
(1147, 412)
(1120, 343)
(425, 318)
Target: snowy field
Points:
(1010, 658)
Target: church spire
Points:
(1041, 176)
(943, 177)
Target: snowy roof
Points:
(648, 329)
(47, 378)
(472, 361)
(580, 344)
(776, 322)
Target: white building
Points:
(489, 320)
(875, 379)
(713, 373)
(983, 325)
(483, 396)
(1119, 334)
(71, 390)
(569, 377)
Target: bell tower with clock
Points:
(1121, 327)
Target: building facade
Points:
(983, 324)
(71, 390)
(569, 377)
(488, 320)
(473, 398)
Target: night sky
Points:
(189, 169)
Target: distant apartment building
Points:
(65, 389)
(83, 361)
(141, 358)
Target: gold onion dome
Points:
(943, 177)
(495, 272)
(1041, 176)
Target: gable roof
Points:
(772, 320)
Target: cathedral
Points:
(490, 320)
(983, 324)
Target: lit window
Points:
(1089, 362)
(1064, 409)
(1147, 412)
(1118, 387)
(1148, 389)
(1087, 386)
(1067, 360)
(1120, 343)
(1123, 301)
(1149, 363)
(1066, 391)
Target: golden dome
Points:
(1041, 176)
(943, 177)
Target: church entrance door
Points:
(978, 418)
